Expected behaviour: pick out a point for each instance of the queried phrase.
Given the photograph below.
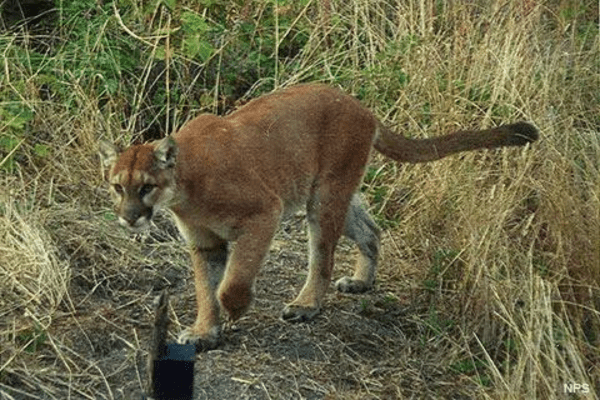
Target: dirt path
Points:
(371, 346)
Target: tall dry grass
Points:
(502, 248)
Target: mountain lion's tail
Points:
(403, 149)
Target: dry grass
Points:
(489, 285)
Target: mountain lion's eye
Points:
(118, 188)
(144, 190)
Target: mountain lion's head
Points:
(141, 178)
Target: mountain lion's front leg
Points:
(250, 249)
(208, 263)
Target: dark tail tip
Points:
(522, 133)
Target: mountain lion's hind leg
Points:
(361, 228)
(325, 216)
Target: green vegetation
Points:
(32, 338)
(490, 273)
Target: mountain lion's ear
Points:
(108, 153)
(166, 152)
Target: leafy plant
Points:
(34, 338)
(14, 118)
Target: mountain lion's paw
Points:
(349, 285)
(203, 342)
(294, 313)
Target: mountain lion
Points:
(228, 182)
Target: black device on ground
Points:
(170, 366)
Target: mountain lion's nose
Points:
(135, 216)
(131, 216)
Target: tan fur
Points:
(229, 182)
